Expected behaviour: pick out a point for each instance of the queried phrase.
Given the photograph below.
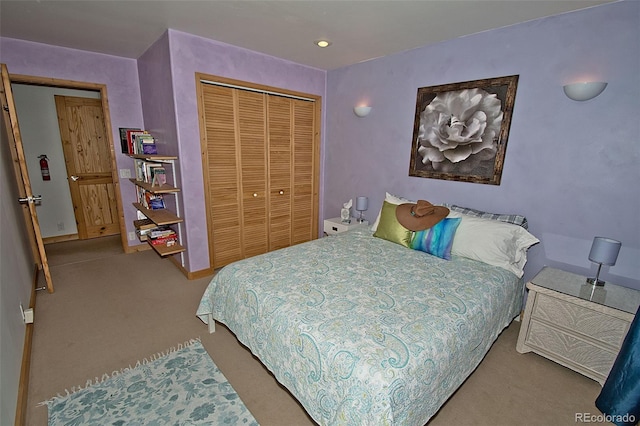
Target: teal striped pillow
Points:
(438, 239)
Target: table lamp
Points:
(362, 204)
(604, 251)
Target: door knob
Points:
(31, 199)
(75, 178)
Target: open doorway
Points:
(78, 203)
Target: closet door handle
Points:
(281, 192)
(255, 194)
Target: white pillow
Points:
(492, 242)
(392, 199)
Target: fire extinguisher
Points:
(44, 167)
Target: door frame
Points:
(102, 88)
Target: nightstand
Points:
(576, 324)
(336, 225)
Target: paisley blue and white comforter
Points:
(363, 331)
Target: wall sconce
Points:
(604, 251)
(362, 111)
(584, 91)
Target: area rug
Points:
(181, 386)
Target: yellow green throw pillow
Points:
(390, 229)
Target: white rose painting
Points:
(461, 130)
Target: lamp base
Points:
(595, 281)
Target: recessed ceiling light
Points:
(322, 43)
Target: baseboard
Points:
(60, 239)
(23, 386)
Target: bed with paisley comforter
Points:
(363, 331)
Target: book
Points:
(149, 149)
(149, 170)
(143, 228)
(154, 201)
(140, 140)
(124, 141)
(145, 224)
(144, 170)
(131, 135)
(161, 231)
(168, 240)
(159, 176)
(150, 200)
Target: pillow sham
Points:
(516, 219)
(438, 239)
(492, 242)
(389, 228)
(393, 199)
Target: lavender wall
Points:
(119, 74)
(158, 106)
(191, 54)
(572, 168)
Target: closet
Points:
(260, 154)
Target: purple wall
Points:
(119, 74)
(158, 106)
(191, 54)
(572, 168)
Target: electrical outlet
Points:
(60, 226)
(132, 236)
(27, 315)
(125, 173)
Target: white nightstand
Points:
(576, 324)
(336, 225)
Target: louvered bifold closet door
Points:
(303, 171)
(279, 129)
(253, 160)
(236, 155)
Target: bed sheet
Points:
(363, 331)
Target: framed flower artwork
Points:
(460, 130)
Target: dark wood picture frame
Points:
(460, 130)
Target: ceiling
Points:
(358, 29)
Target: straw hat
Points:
(420, 216)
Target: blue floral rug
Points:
(180, 387)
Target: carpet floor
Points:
(112, 309)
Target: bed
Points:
(363, 331)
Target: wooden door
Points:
(252, 147)
(222, 174)
(10, 121)
(88, 160)
(235, 167)
(279, 126)
(260, 154)
(303, 172)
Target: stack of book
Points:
(137, 142)
(145, 144)
(149, 200)
(143, 228)
(163, 235)
(147, 170)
